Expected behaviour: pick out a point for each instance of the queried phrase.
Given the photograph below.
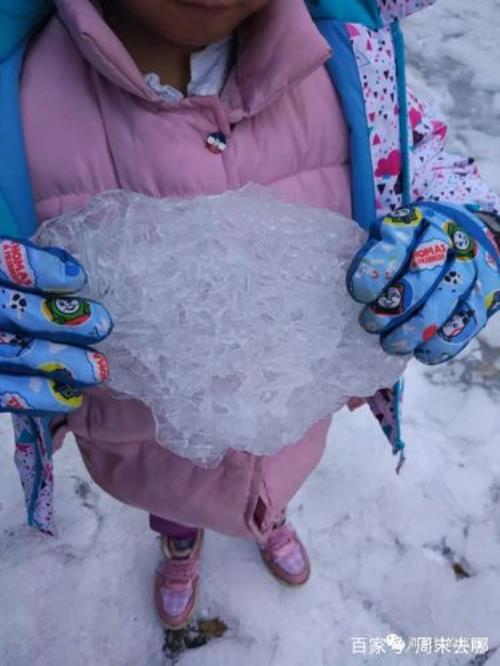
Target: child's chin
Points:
(191, 26)
(194, 24)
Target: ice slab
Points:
(232, 320)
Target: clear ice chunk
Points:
(232, 319)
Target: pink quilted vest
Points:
(92, 124)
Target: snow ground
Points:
(416, 555)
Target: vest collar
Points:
(276, 48)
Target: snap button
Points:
(216, 142)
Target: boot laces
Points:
(281, 541)
(180, 573)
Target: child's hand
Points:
(430, 277)
(45, 330)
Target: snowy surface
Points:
(417, 555)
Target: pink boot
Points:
(285, 556)
(177, 581)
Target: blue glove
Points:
(45, 330)
(430, 278)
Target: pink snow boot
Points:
(177, 580)
(285, 555)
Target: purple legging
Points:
(171, 529)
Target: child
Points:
(185, 97)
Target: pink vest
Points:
(92, 124)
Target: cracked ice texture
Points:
(232, 320)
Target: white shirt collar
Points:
(209, 69)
